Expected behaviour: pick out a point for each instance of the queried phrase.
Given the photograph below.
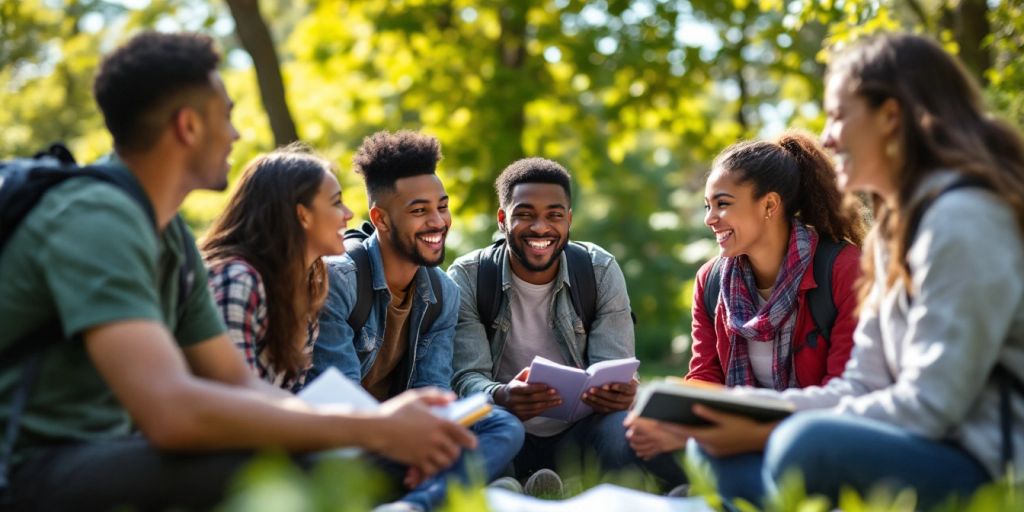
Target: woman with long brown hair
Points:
(932, 398)
(264, 258)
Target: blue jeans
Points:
(499, 438)
(598, 434)
(835, 451)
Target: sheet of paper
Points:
(604, 497)
(333, 388)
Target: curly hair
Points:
(531, 170)
(384, 157)
(148, 73)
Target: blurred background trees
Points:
(635, 97)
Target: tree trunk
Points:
(255, 37)
(971, 27)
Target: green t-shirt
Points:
(87, 255)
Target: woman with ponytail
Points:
(933, 396)
(264, 258)
(771, 206)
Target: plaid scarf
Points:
(745, 323)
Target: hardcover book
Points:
(673, 400)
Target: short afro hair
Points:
(145, 74)
(384, 157)
(531, 170)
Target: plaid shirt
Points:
(238, 291)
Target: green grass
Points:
(273, 483)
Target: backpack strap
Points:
(187, 272)
(29, 372)
(433, 310)
(918, 214)
(712, 288)
(582, 284)
(364, 287)
(1008, 383)
(488, 285)
(820, 300)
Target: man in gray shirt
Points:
(536, 316)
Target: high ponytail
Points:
(797, 168)
(819, 202)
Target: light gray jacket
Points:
(611, 334)
(925, 364)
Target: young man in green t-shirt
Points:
(88, 257)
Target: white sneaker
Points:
(508, 483)
(398, 506)
(544, 483)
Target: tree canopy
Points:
(635, 97)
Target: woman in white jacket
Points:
(931, 398)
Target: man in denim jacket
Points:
(536, 317)
(409, 210)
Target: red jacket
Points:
(814, 365)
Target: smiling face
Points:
(325, 219)
(857, 134)
(418, 219)
(536, 224)
(733, 214)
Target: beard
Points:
(517, 246)
(411, 251)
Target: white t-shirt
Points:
(531, 334)
(761, 353)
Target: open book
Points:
(673, 399)
(332, 388)
(572, 382)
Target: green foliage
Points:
(635, 97)
(273, 482)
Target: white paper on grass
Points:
(604, 497)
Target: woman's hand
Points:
(649, 438)
(729, 434)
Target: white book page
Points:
(603, 498)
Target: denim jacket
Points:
(338, 346)
(477, 358)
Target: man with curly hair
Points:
(141, 344)
(400, 345)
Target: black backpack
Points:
(23, 183)
(823, 306)
(582, 284)
(1008, 382)
(364, 282)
